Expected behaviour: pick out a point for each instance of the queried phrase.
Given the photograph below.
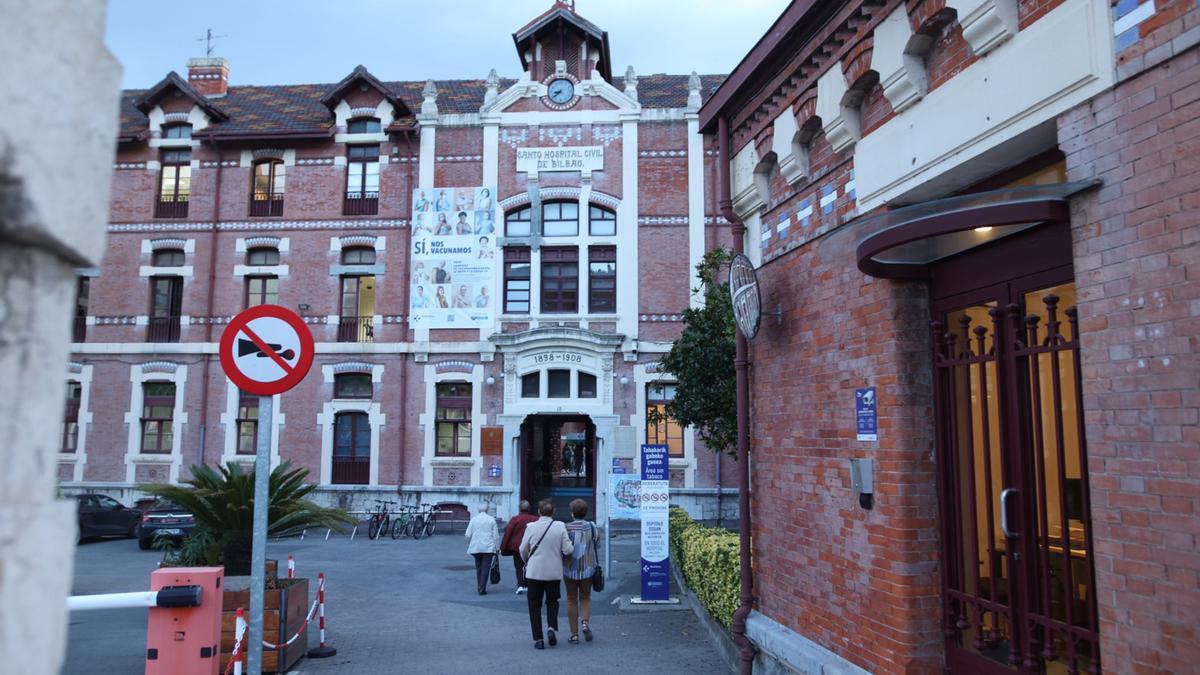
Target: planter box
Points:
(284, 610)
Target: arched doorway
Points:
(558, 460)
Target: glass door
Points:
(1019, 593)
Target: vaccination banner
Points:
(453, 258)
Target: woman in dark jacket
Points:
(509, 545)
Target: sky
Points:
(306, 41)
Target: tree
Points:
(222, 501)
(701, 361)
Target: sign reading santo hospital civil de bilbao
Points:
(579, 158)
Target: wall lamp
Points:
(624, 380)
(490, 380)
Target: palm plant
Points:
(222, 501)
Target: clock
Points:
(561, 91)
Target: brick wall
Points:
(1137, 269)
(864, 584)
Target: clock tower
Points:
(560, 49)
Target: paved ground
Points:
(409, 607)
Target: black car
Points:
(103, 516)
(164, 519)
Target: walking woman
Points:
(578, 569)
(484, 540)
(514, 532)
(542, 548)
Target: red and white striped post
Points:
(323, 650)
(291, 567)
(239, 650)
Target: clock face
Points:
(561, 91)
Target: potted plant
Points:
(222, 501)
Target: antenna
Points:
(208, 41)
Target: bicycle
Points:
(381, 519)
(424, 524)
(403, 524)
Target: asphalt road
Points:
(409, 607)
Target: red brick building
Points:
(978, 221)
(592, 191)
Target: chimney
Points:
(209, 76)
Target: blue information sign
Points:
(655, 543)
(865, 417)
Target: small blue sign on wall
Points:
(865, 417)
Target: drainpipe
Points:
(741, 363)
(406, 289)
(208, 306)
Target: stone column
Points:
(56, 153)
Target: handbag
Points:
(598, 570)
(495, 578)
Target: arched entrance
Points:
(559, 460)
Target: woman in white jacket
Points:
(484, 539)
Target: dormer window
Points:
(368, 125)
(176, 131)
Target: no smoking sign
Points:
(266, 350)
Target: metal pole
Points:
(258, 554)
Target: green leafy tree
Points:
(222, 501)
(701, 361)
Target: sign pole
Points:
(258, 555)
(655, 500)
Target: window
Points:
(266, 194)
(601, 222)
(262, 290)
(602, 279)
(158, 410)
(262, 257)
(247, 423)
(453, 418)
(559, 382)
(177, 131)
(560, 219)
(362, 180)
(352, 385)
(587, 385)
(518, 223)
(70, 429)
(516, 280)
(82, 289)
(168, 257)
(166, 307)
(531, 385)
(668, 432)
(364, 126)
(358, 255)
(560, 279)
(175, 185)
(351, 449)
(358, 308)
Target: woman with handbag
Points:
(514, 532)
(542, 548)
(579, 568)
(484, 541)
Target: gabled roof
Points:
(563, 12)
(361, 74)
(146, 102)
(297, 111)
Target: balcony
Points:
(163, 329)
(171, 207)
(351, 470)
(266, 206)
(361, 204)
(356, 329)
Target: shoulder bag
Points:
(598, 571)
(539, 543)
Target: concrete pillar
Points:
(56, 138)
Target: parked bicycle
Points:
(424, 524)
(381, 518)
(403, 524)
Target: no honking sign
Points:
(266, 350)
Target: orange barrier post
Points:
(323, 650)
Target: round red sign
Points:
(266, 350)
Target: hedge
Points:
(708, 558)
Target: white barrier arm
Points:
(113, 600)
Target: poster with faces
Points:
(453, 258)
